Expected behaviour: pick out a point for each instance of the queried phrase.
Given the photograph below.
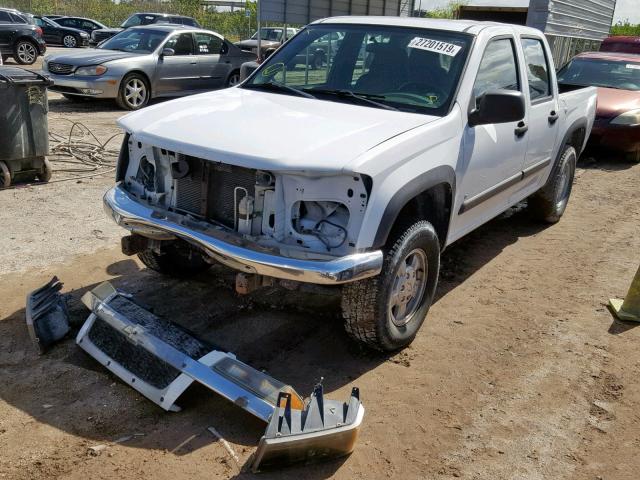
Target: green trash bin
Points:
(24, 130)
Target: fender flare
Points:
(423, 182)
(573, 128)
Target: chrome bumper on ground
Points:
(235, 251)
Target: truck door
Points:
(543, 110)
(492, 154)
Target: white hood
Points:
(268, 131)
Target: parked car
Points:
(621, 44)
(20, 39)
(141, 63)
(85, 24)
(140, 19)
(56, 34)
(373, 168)
(617, 76)
(270, 40)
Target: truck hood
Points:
(268, 131)
(88, 56)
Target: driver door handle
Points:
(521, 129)
(553, 117)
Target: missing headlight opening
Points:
(146, 175)
(327, 221)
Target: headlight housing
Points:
(84, 34)
(630, 118)
(91, 70)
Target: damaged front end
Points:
(160, 360)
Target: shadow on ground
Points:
(297, 338)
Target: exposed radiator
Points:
(208, 189)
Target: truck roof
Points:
(467, 26)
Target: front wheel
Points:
(549, 203)
(69, 41)
(234, 79)
(386, 312)
(134, 92)
(25, 53)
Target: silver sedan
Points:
(142, 63)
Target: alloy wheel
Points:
(135, 93)
(70, 41)
(27, 53)
(408, 287)
(234, 80)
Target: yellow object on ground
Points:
(629, 308)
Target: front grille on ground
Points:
(60, 68)
(208, 189)
(139, 361)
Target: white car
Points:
(357, 174)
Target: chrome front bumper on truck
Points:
(233, 250)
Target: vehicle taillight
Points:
(39, 31)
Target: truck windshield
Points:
(409, 69)
(596, 72)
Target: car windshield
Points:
(135, 20)
(409, 69)
(598, 72)
(136, 41)
(273, 34)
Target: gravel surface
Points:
(519, 372)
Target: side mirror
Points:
(498, 106)
(247, 69)
(167, 52)
(224, 49)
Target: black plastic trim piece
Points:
(439, 175)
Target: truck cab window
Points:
(537, 68)
(498, 68)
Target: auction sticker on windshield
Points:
(436, 46)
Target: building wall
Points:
(588, 19)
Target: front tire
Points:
(386, 312)
(549, 203)
(234, 79)
(134, 92)
(69, 41)
(5, 175)
(174, 259)
(25, 52)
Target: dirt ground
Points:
(520, 372)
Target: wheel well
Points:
(576, 139)
(26, 38)
(433, 205)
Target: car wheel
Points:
(26, 53)
(174, 259)
(47, 171)
(234, 79)
(386, 312)
(549, 203)
(69, 41)
(633, 157)
(5, 175)
(317, 62)
(134, 92)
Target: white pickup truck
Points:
(359, 172)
